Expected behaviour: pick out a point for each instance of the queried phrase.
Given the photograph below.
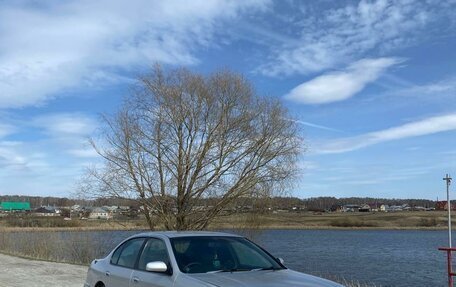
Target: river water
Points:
(383, 257)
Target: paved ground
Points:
(19, 272)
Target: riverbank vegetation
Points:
(340, 220)
(244, 221)
(77, 248)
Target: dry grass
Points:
(244, 223)
(307, 220)
(78, 248)
(58, 224)
(40, 222)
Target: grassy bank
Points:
(79, 248)
(433, 220)
(27, 223)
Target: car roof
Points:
(174, 234)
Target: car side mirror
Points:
(157, 266)
(281, 260)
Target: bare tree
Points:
(188, 147)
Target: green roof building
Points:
(15, 206)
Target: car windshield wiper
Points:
(230, 270)
(268, 268)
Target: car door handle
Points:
(107, 273)
(135, 279)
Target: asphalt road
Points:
(19, 272)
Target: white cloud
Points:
(66, 124)
(10, 157)
(51, 46)
(70, 132)
(64, 136)
(27, 170)
(427, 126)
(51, 155)
(338, 86)
(444, 88)
(336, 36)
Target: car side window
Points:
(128, 253)
(116, 254)
(154, 250)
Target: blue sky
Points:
(371, 83)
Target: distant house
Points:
(394, 208)
(364, 208)
(46, 211)
(10, 206)
(406, 207)
(442, 205)
(350, 208)
(100, 213)
(374, 207)
(384, 207)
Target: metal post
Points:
(448, 182)
(450, 271)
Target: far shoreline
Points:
(407, 220)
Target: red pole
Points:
(449, 264)
(450, 275)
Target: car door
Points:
(123, 261)
(154, 250)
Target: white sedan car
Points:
(194, 259)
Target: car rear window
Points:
(126, 255)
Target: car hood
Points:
(276, 278)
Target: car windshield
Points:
(202, 254)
